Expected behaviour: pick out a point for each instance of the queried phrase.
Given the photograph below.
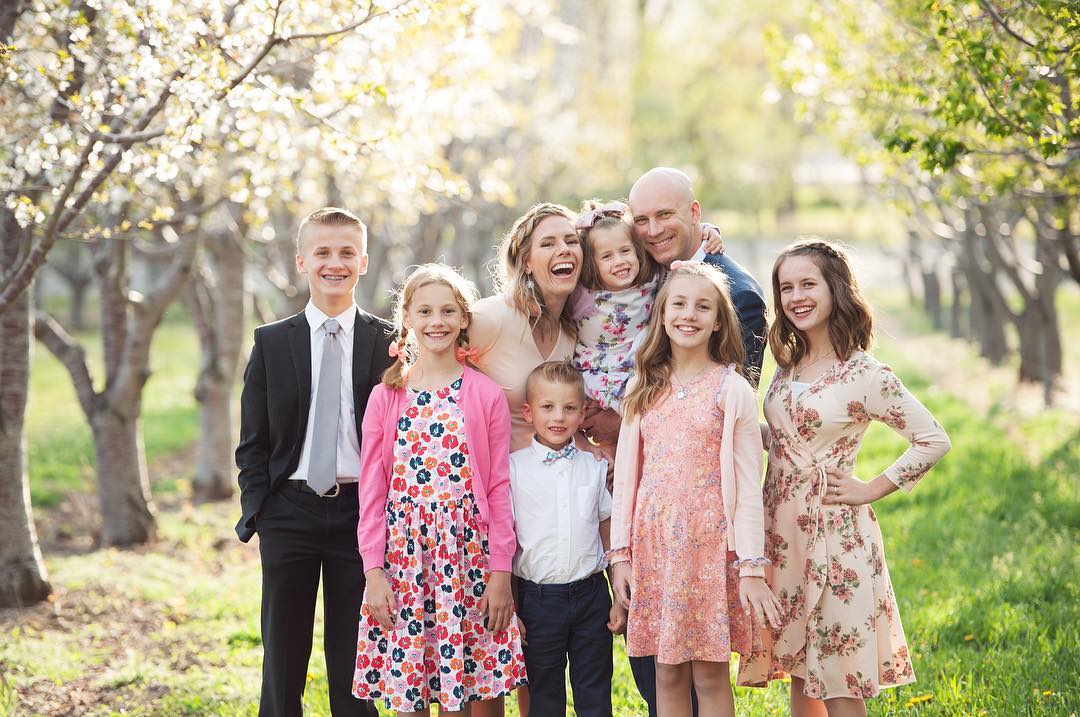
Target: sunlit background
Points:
(158, 155)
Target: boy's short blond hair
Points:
(556, 372)
(333, 217)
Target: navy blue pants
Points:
(567, 621)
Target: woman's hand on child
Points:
(712, 239)
(620, 583)
(616, 619)
(846, 489)
(380, 598)
(758, 600)
(497, 605)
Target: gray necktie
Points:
(322, 466)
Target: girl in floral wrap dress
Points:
(436, 530)
(840, 637)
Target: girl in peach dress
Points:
(840, 637)
(687, 535)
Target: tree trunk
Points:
(956, 307)
(218, 427)
(123, 484)
(989, 314)
(1040, 333)
(214, 475)
(77, 311)
(23, 580)
(932, 297)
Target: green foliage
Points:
(952, 84)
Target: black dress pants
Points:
(567, 621)
(303, 536)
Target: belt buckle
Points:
(337, 490)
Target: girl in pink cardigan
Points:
(687, 529)
(436, 531)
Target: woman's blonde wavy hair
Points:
(851, 323)
(509, 277)
(653, 361)
(465, 294)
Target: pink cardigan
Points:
(740, 477)
(487, 431)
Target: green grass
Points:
(60, 451)
(982, 555)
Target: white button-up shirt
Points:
(558, 509)
(348, 443)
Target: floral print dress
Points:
(611, 325)
(684, 582)
(436, 563)
(840, 629)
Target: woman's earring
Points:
(529, 285)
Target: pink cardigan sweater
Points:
(740, 478)
(487, 431)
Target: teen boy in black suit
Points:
(305, 389)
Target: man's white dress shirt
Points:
(348, 443)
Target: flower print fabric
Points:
(611, 325)
(437, 564)
(840, 628)
(684, 582)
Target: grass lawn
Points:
(982, 554)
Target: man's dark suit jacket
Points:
(749, 300)
(277, 396)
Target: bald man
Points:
(667, 219)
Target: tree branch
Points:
(71, 354)
(997, 18)
(15, 281)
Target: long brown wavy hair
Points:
(509, 277)
(653, 361)
(851, 323)
(465, 294)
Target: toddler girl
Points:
(436, 531)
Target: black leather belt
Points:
(338, 489)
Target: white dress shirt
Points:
(558, 509)
(348, 443)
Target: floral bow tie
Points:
(567, 451)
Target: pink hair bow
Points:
(680, 263)
(590, 218)
(469, 354)
(394, 350)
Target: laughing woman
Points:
(527, 323)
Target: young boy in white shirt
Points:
(562, 510)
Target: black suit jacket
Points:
(276, 398)
(749, 300)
